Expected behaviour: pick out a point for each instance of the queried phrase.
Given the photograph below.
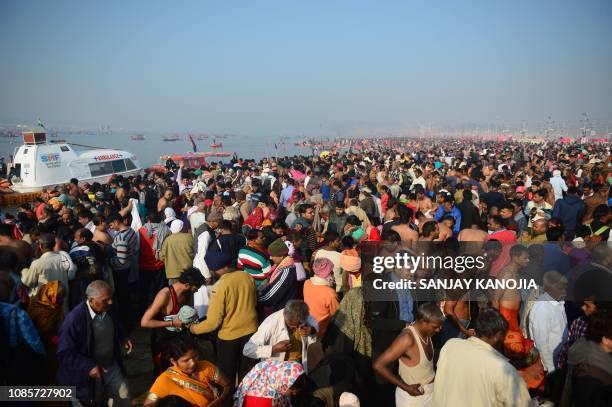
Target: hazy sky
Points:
(256, 67)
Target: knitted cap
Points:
(217, 260)
(278, 248)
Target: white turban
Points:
(348, 400)
(176, 226)
(169, 215)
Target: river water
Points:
(149, 150)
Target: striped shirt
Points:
(125, 247)
(255, 262)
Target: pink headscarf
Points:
(322, 267)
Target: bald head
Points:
(540, 226)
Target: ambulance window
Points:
(118, 166)
(64, 148)
(102, 168)
(25, 151)
(129, 164)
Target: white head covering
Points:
(291, 247)
(169, 215)
(556, 173)
(176, 226)
(348, 400)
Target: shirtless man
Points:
(430, 231)
(423, 203)
(472, 239)
(511, 299)
(415, 352)
(444, 232)
(168, 302)
(403, 229)
(21, 248)
(165, 201)
(100, 234)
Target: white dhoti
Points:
(403, 399)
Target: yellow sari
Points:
(45, 311)
(197, 391)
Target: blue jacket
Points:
(569, 209)
(455, 213)
(75, 350)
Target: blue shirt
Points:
(555, 258)
(325, 192)
(286, 194)
(455, 213)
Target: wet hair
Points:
(330, 236)
(489, 323)
(191, 276)
(348, 242)
(430, 312)
(449, 217)
(353, 220)
(179, 346)
(429, 227)
(405, 213)
(390, 236)
(114, 217)
(554, 234)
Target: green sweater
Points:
(177, 254)
(232, 307)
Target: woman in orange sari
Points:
(517, 348)
(198, 382)
(46, 312)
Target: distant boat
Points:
(171, 138)
(216, 145)
(201, 137)
(190, 160)
(138, 137)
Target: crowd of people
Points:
(249, 277)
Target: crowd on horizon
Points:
(249, 276)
